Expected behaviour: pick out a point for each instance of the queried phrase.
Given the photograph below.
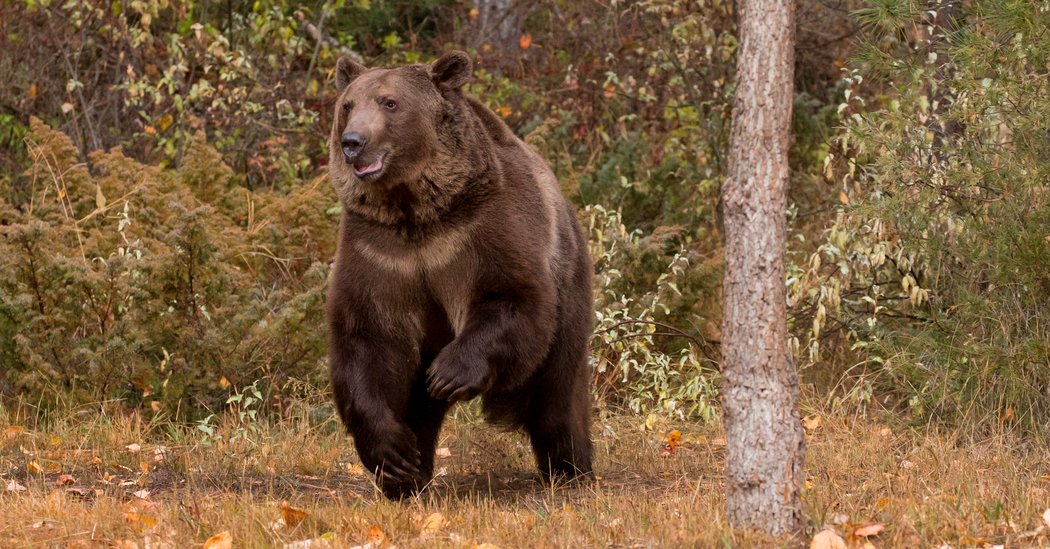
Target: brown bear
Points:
(461, 271)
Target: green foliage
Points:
(136, 282)
(937, 270)
(200, 250)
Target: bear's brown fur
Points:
(461, 271)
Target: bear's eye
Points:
(347, 106)
(390, 105)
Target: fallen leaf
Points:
(133, 448)
(65, 480)
(376, 537)
(473, 14)
(670, 447)
(12, 431)
(14, 486)
(827, 539)
(34, 468)
(223, 382)
(432, 524)
(292, 517)
(222, 540)
(326, 541)
(140, 521)
(67, 108)
(844, 198)
(141, 494)
(31, 93)
(1008, 414)
(443, 453)
(525, 41)
(811, 423)
(869, 530)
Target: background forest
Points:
(166, 222)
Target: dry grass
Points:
(928, 488)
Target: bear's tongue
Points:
(371, 168)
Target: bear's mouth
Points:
(362, 169)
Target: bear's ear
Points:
(451, 70)
(346, 70)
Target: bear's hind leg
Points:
(558, 416)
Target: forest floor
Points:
(102, 479)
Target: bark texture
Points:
(765, 441)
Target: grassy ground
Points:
(100, 477)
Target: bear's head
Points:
(390, 123)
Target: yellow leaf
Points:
(140, 521)
(292, 516)
(150, 130)
(473, 14)
(34, 468)
(844, 198)
(222, 540)
(503, 111)
(827, 539)
(164, 122)
(223, 382)
(32, 91)
(432, 524)
(811, 423)
(155, 405)
(525, 41)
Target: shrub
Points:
(937, 267)
(147, 284)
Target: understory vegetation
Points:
(166, 223)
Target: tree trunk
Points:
(500, 24)
(764, 438)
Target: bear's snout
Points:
(353, 143)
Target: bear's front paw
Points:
(395, 457)
(457, 374)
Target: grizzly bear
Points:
(461, 271)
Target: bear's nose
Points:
(352, 143)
